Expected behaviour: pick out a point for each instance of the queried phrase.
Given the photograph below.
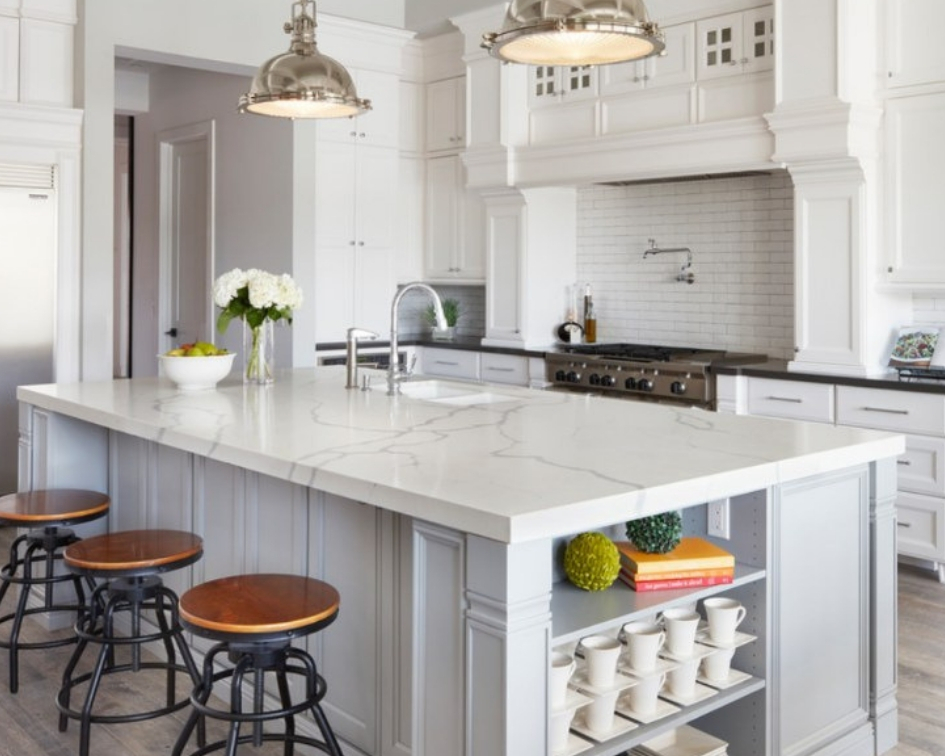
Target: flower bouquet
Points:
(259, 299)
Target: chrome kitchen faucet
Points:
(394, 373)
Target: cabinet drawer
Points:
(900, 411)
(922, 467)
(920, 528)
(504, 368)
(451, 363)
(791, 399)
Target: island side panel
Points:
(884, 619)
(508, 637)
(821, 616)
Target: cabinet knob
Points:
(352, 133)
(360, 243)
(351, 243)
(361, 135)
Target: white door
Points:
(186, 235)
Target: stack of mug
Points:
(723, 616)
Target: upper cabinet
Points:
(736, 43)
(446, 114)
(915, 165)
(676, 66)
(913, 57)
(380, 126)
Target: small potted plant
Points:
(451, 313)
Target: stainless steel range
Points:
(679, 375)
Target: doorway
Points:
(186, 234)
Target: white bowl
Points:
(197, 373)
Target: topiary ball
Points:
(658, 534)
(591, 561)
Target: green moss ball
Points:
(591, 561)
(658, 534)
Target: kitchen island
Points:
(440, 515)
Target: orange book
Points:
(711, 572)
(692, 553)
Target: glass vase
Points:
(258, 349)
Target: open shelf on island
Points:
(577, 612)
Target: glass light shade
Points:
(575, 32)
(303, 83)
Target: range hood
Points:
(681, 179)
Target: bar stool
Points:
(49, 512)
(255, 618)
(130, 563)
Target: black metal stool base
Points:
(252, 661)
(42, 547)
(132, 595)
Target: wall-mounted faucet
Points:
(685, 274)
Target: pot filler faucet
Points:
(685, 274)
(394, 373)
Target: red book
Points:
(671, 584)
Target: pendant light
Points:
(575, 33)
(303, 83)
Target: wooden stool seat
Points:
(259, 605)
(55, 507)
(34, 557)
(134, 552)
(255, 619)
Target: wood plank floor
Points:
(28, 720)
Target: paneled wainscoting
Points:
(29, 719)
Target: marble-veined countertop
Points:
(507, 463)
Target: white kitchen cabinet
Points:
(794, 400)
(551, 85)
(735, 43)
(354, 236)
(676, 67)
(9, 59)
(378, 127)
(915, 165)
(913, 57)
(454, 224)
(511, 369)
(450, 363)
(505, 236)
(446, 114)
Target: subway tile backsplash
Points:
(740, 231)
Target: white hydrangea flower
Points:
(226, 286)
(290, 295)
(263, 288)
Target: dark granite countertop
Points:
(462, 343)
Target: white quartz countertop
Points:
(506, 463)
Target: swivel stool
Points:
(254, 618)
(130, 564)
(48, 512)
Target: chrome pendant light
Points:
(575, 33)
(303, 83)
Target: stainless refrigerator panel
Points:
(27, 307)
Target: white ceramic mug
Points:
(680, 625)
(599, 714)
(562, 667)
(724, 616)
(644, 641)
(560, 724)
(717, 665)
(644, 694)
(681, 680)
(601, 653)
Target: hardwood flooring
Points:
(28, 720)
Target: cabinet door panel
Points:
(915, 165)
(914, 58)
(334, 292)
(445, 109)
(791, 399)
(736, 98)
(920, 526)
(651, 109)
(719, 43)
(377, 170)
(443, 233)
(335, 194)
(922, 467)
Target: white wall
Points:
(741, 237)
(253, 218)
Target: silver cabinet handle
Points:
(904, 524)
(789, 399)
(445, 362)
(887, 411)
(904, 462)
(501, 369)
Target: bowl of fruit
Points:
(197, 366)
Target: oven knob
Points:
(678, 388)
(573, 377)
(645, 384)
(561, 376)
(630, 383)
(594, 380)
(608, 381)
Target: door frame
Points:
(168, 140)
